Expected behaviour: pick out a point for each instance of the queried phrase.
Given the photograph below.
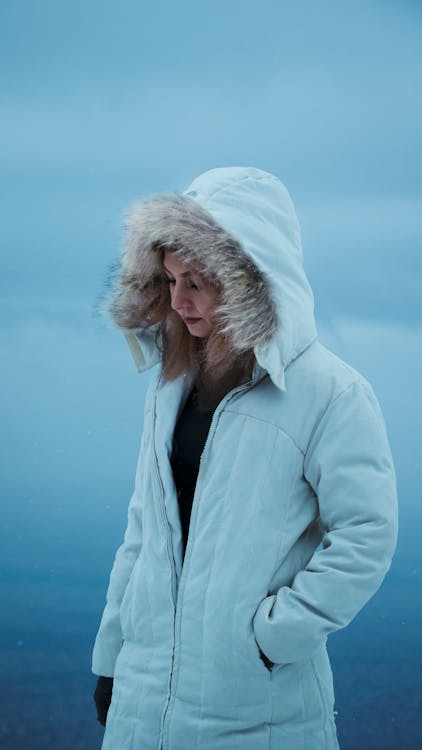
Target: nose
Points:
(180, 298)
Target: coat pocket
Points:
(268, 663)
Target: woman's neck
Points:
(211, 390)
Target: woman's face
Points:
(192, 297)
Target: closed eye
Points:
(191, 285)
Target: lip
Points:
(191, 320)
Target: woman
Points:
(270, 450)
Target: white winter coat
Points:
(294, 518)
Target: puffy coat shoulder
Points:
(314, 381)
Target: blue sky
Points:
(103, 103)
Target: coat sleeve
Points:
(349, 465)
(108, 641)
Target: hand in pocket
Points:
(268, 663)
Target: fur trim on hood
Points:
(240, 225)
(172, 219)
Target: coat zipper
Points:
(169, 547)
(165, 718)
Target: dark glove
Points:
(102, 697)
(268, 663)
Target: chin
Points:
(199, 335)
(200, 331)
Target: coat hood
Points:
(240, 223)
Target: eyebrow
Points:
(185, 273)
